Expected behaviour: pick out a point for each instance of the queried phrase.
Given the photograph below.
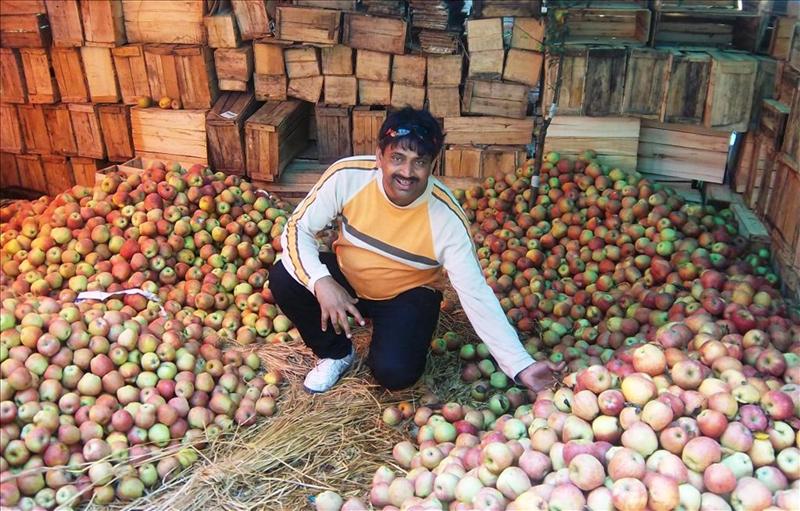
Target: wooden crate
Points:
(444, 101)
(9, 175)
(408, 95)
(31, 172)
(747, 160)
(409, 69)
(65, 22)
(41, 85)
(528, 34)
(34, 129)
(573, 76)
(153, 133)
(337, 60)
(197, 77)
(164, 21)
(783, 212)
(12, 77)
(766, 144)
(25, 31)
(301, 62)
(488, 130)
(18, 7)
(115, 123)
(234, 67)
(444, 70)
(85, 169)
(462, 161)
(705, 29)
(132, 73)
(766, 86)
(103, 22)
(646, 79)
(11, 140)
(495, 98)
(339, 5)
(100, 76)
(59, 129)
(626, 25)
(222, 30)
(684, 152)
(374, 92)
(86, 126)
(781, 42)
(730, 91)
(373, 65)
(690, 72)
(523, 66)
(487, 65)
(268, 58)
(496, 8)
(308, 25)
(366, 129)
(615, 139)
(604, 85)
(497, 161)
(794, 52)
(701, 5)
(791, 136)
(252, 18)
(484, 35)
(308, 89)
(162, 72)
(274, 135)
(270, 87)
(334, 133)
(789, 80)
(225, 128)
(57, 174)
(373, 33)
(341, 90)
(70, 77)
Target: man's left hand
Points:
(540, 375)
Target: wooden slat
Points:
(12, 78)
(86, 126)
(615, 139)
(308, 25)
(156, 21)
(685, 152)
(252, 18)
(31, 172)
(59, 129)
(58, 174)
(604, 86)
(115, 122)
(688, 87)
(11, 140)
(366, 128)
(70, 76)
(374, 33)
(495, 98)
(103, 22)
(129, 64)
(646, 79)
(179, 132)
(334, 133)
(25, 31)
(42, 87)
(65, 22)
(34, 129)
(100, 75)
(488, 130)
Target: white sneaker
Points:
(327, 372)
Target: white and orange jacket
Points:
(384, 249)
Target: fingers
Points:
(323, 317)
(354, 312)
(558, 367)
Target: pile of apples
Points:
(103, 398)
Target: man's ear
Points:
(378, 156)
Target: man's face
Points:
(405, 173)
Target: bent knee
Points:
(394, 377)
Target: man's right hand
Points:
(334, 303)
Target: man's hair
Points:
(414, 130)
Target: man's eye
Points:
(396, 159)
(421, 163)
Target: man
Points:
(399, 229)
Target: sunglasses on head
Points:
(420, 132)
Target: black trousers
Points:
(402, 327)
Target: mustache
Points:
(413, 179)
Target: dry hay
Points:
(330, 441)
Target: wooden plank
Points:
(573, 78)
(495, 98)
(341, 90)
(197, 77)
(154, 21)
(485, 34)
(781, 42)
(373, 33)
(103, 22)
(334, 133)
(222, 30)
(65, 22)
(176, 132)
(486, 65)
(523, 66)
(498, 161)
(605, 81)
(488, 130)
(234, 63)
(784, 208)
(528, 34)
(749, 225)
(309, 25)
(688, 87)
(409, 69)
(730, 91)
(646, 79)
(308, 89)
(685, 152)
(497, 8)
(70, 76)
(366, 129)
(270, 87)
(11, 140)
(12, 77)
(85, 170)
(115, 123)
(268, 58)
(337, 60)
(31, 172)
(791, 136)
(766, 85)
(100, 76)
(86, 126)
(59, 129)
(614, 139)
(444, 101)
(225, 128)
(34, 129)
(794, 52)
(408, 95)
(25, 31)
(274, 135)
(58, 174)
(18, 7)
(132, 74)
(301, 62)
(41, 84)
(444, 70)
(252, 18)
(374, 92)
(462, 161)
(9, 174)
(373, 65)
(629, 25)
(162, 72)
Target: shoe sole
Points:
(310, 391)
